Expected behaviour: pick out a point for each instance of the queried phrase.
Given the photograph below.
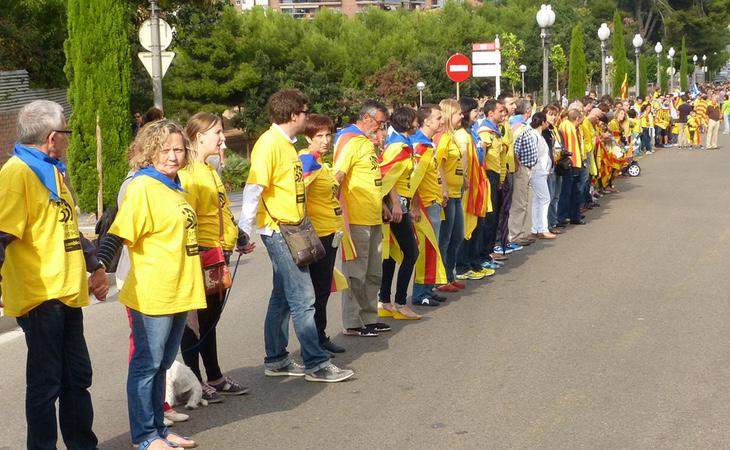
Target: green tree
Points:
(512, 50)
(664, 65)
(577, 65)
(683, 67)
(621, 62)
(643, 75)
(31, 37)
(560, 63)
(98, 69)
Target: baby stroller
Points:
(630, 166)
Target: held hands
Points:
(98, 284)
(444, 198)
(387, 216)
(415, 215)
(244, 244)
(396, 213)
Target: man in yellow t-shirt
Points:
(492, 138)
(274, 194)
(43, 265)
(357, 171)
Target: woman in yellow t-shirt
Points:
(159, 227)
(323, 208)
(452, 227)
(205, 192)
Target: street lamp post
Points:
(694, 70)
(420, 86)
(704, 68)
(671, 67)
(603, 33)
(545, 19)
(638, 42)
(156, 55)
(658, 49)
(609, 61)
(523, 69)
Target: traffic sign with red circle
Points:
(458, 68)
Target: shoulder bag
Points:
(301, 238)
(216, 275)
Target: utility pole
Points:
(156, 55)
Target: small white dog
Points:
(182, 386)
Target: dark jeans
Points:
(491, 221)
(321, 274)
(205, 348)
(468, 257)
(570, 196)
(403, 233)
(585, 183)
(58, 367)
(451, 235)
(645, 140)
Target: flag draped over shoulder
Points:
(475, 201)
(429, 265)
(310, 166)
(348, 136)
(393, 163)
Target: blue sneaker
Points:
(503, 251)
(514, 247)
(491, 265)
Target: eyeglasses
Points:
(305, 112)
(63, 131)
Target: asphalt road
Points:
(612, 336)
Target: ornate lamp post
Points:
(609, 62)
(670, 71)
(638, 42)
(603, 34)
(545, 19)
(420, 86)
(704, 67)
(694, 69)
(523, 69)
(658, 49)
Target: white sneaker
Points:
(176, 416)
(167, 422)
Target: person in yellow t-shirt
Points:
(452, 227)
(275, 193)
(159, 227)
(357, 170)
(323, 207)
(43, 264)
(205, 192)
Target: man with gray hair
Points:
(43, 265)
(357, 171)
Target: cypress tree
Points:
(643, 75)
(98, 69)
(683, 68)
(621, 63)
(577, 65)
(665, 76)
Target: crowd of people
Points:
(425, 198)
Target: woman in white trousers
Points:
(538, 179)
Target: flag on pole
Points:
(625, 87)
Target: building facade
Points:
(307, 8)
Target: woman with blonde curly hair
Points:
(159, 228)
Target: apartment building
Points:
(306, 8)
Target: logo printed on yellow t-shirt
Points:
(71, 240)
(191, 224)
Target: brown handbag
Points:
(216, 275)
(302, 240)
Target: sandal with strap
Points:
(189, 444)
(145, 445)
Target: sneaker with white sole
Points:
(176, 416)
(229, 386)
(329, 374)
(502, 251)
(292, 370)
(210, 394)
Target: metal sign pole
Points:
(156, 55)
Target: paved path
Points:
(613, 336)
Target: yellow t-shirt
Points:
(205, 192)
(160, 229)
(589, 137)
(323, 206)
(508, 142)
(430, 187)
(361, 187)
(448, 152)
(46, 261)
(495, 154)
(276, 166)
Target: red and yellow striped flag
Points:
(625, 87)
(429, 265)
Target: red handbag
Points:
(216, 275)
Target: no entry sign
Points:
(458, 68)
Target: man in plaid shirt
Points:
(525, 148)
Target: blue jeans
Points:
(726, 119)
(554, 185)
(451, 235)
(585, 184)
(58, 367)
(570, 196)
(434, 215)
(156, 342)
(292, 295)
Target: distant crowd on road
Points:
(432, 197)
